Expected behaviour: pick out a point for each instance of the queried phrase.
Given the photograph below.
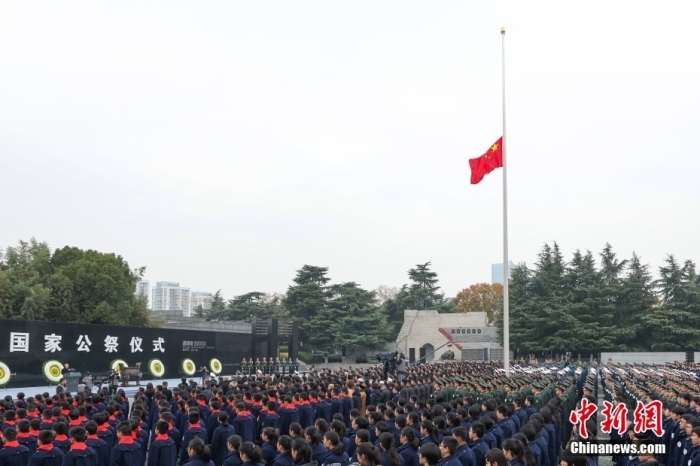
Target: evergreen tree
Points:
(675, 324)
(587, 303)
(636, 301)
(306, 299)
(422, 294)
(522, 304)
(355, 319)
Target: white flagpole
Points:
(506, 269)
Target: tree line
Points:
(592, 304)
(341, 316)
(70, 285)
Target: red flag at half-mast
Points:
(491, 160)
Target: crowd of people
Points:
(441, 414)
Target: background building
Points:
(170, 296)
(427, 334)
(497, 272)
(143, 288)
(200, 298)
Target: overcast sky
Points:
(223, 145)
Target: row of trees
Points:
(588, 305)
(332, 317)
(69, 285)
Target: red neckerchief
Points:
(296, 403)
(126, 441)
(112, 418)
(313, 400)
(32, 415)
(162, 437)
(171, 426)
(194, 426)
(74, 423)
(10, 423)
(54, 418)
(103, 427)
(257, 403)
(65, 412)
(305, 403)
(216, 411)
(243, 413)
(336, 397)
(264, 410)
(83, 419)
(272, 398)
(134, 435)
(202, 403)
(12, 444)
(93, 437)
(47, 447)
(34, 433)
(23, 434)
(75, 403)
(78, 446)
(61, 438)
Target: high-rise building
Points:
(170, 296)
(201, 298)
(497, 272)
(143, 288)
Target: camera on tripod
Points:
(388, 360)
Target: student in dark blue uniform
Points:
(199, 453)
(60, 437)
(270, 418)
(569, 459)
(98, 445)
(495, 457)
(464, 454)
(24, 437)
(284, 454)
(313, 438)
(220, 437)
(249, 455)
(409, 447)
(429, 454)
(269, 449)
(193, 429)
(127, 452)
(389, 455)
(336, 449)
(448, 450)
(12, 453)
(233, 458)
(163, 451)
(368, 455)
(478, 446)
(514, 451)
(80, 454)
(103, 429)
(301, 453)
(46, 454)
(244, 424)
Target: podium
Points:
(72, 381)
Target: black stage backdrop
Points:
(26, 345)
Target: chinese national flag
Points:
(491, 160)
